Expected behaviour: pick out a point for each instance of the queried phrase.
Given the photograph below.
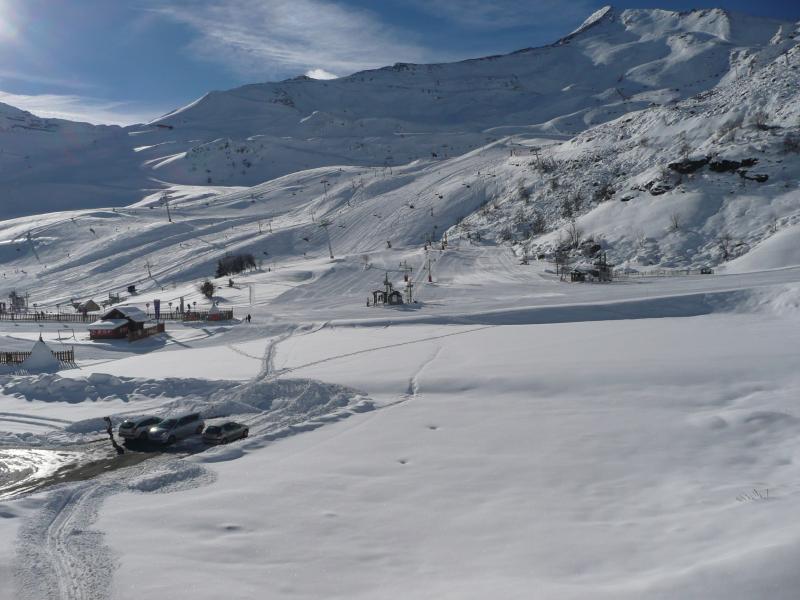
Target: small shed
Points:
(577, 276)
(87, 307)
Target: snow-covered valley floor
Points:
(511, 437)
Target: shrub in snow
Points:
(230, 265)
(207, 289)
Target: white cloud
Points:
(503, 14)
(320, 74)
(79, 108)
(280, 38)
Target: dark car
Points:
(227, 432)
(136, 429)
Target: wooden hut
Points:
(118, 323)
(87, 307)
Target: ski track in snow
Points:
(376, 348)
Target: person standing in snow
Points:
(110, 431)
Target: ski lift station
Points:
(388, 295)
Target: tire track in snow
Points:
(59, 557)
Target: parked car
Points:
(137, 429)
(227, 432)
(706, 271)
(179, 428)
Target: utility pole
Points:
(325, 224)
(406, 269)
(428, 267)
(165, 200)
(147, 266)
(409, 292)
(324, 183)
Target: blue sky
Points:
(124, 61)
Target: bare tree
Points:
(641, 238)
(760, 120)
(725, 245)
(538, 223)
(773, 225)
(506, 235)
(566, 209)
(605, 191)
(523, 193)
(574, 234)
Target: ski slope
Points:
(618, 62)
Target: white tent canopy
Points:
(41, 358)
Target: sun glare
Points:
(8, 30)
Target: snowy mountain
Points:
(505, 434)
(609, 140)
(53, 164)
(615, 63)
(697, 182)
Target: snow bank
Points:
(778, 251)
(98, 387)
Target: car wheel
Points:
(246, 433)
(199, 429)
(143, 436)
(171, 439)
(224, 440)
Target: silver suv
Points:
(174, 429)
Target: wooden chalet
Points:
(124, 322)
(87, 307)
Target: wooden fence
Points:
(194, 315)
(16, 358)
(622, 274)
(46, 316)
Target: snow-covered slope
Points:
(616, 62)
(697, 182)
(53, 164)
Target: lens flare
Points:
(8, 29)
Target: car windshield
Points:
(126, 424)
(230, 426)
(212, 429)
(167, 424)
